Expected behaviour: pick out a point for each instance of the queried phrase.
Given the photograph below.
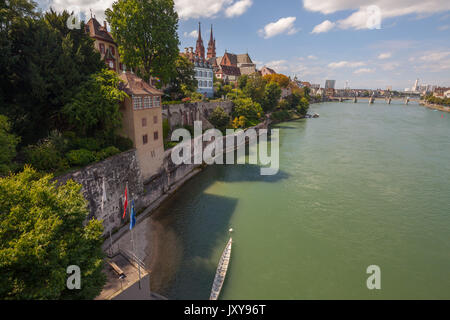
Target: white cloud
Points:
(200, 9)
(97, 6)
(385, 55)
(389, 9)
(435, 56)
(312, 57)
(444, 27)
(347, 64)
(278, 65)
(192, 34)
(363, 70)
(238, 8)
(284, 25)
(325, 26)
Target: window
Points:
(200, 83)
(144, 122)
(102, 48)
(112, 50)
(155, 135)
(144, 139)
(156, 101)
(155, 119)
(111, 64)
(148, 102)
(137, 103)
(120, 66)
(210, 84)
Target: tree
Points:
(95, 108)
(219, 118)
(242, 81)
(254, 88)
(282, 80)
(272, 94)
(43, 232)
(252, 111)
(303, 106)
(183, 79)
(8, 143)
(146, 34)
(50, 62)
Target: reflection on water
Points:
(361, 185)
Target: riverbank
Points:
(434, 106)
(149, 239)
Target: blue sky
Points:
(413, 40)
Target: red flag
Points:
(126, 203)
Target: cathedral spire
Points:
(200, 49)
(211, 45)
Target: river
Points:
(361, 185)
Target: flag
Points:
(132, 216)
(104, 194)
(126, 203)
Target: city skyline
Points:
(319, 40)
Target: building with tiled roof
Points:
(142, 122)
(104, 43)
(204, 73)
(265, 71)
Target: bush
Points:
(252, 111)
(280, 115)
(43, 156)
(106, 153)
(80, 157)
(123, 143)
(219, 118)
(91, 144)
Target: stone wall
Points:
(187, 113)
(123, 169)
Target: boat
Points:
(221, 271)
(315, 115)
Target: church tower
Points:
(200, 49)
(211, 46)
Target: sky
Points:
(369, 43)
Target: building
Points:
(416, 86)
(440, 91)
(204, 73)
(265, 71)
(329, 84)
(104, 43)
(142, 122)
(447, 94)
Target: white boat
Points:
(221, 271)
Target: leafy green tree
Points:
(219, 118)
(242, 81)
(303, 106)
(96, 106)
(8, 143)
(272, 94)
(146, 33)
(43, 232)
(50, 62)
(254, 88)
(183, 79)
(245, 107)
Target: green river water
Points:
(361, 185)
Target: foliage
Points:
(219, 118)
(272, 94)
(44, 156)
(43, 232)
(303, 106)
(281, 115)
(254, 88)
(252, 111)
(106, 153)
(436, 100)
(146, 33)
(80, 157)
(122, 143)
(239, 122)
(47, 64)
(182, 81)
(282, 80)
(8, 143)
(242, 81)
(96, 106)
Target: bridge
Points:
(372, 99)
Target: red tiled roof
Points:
(98, 31)
(133, 85)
